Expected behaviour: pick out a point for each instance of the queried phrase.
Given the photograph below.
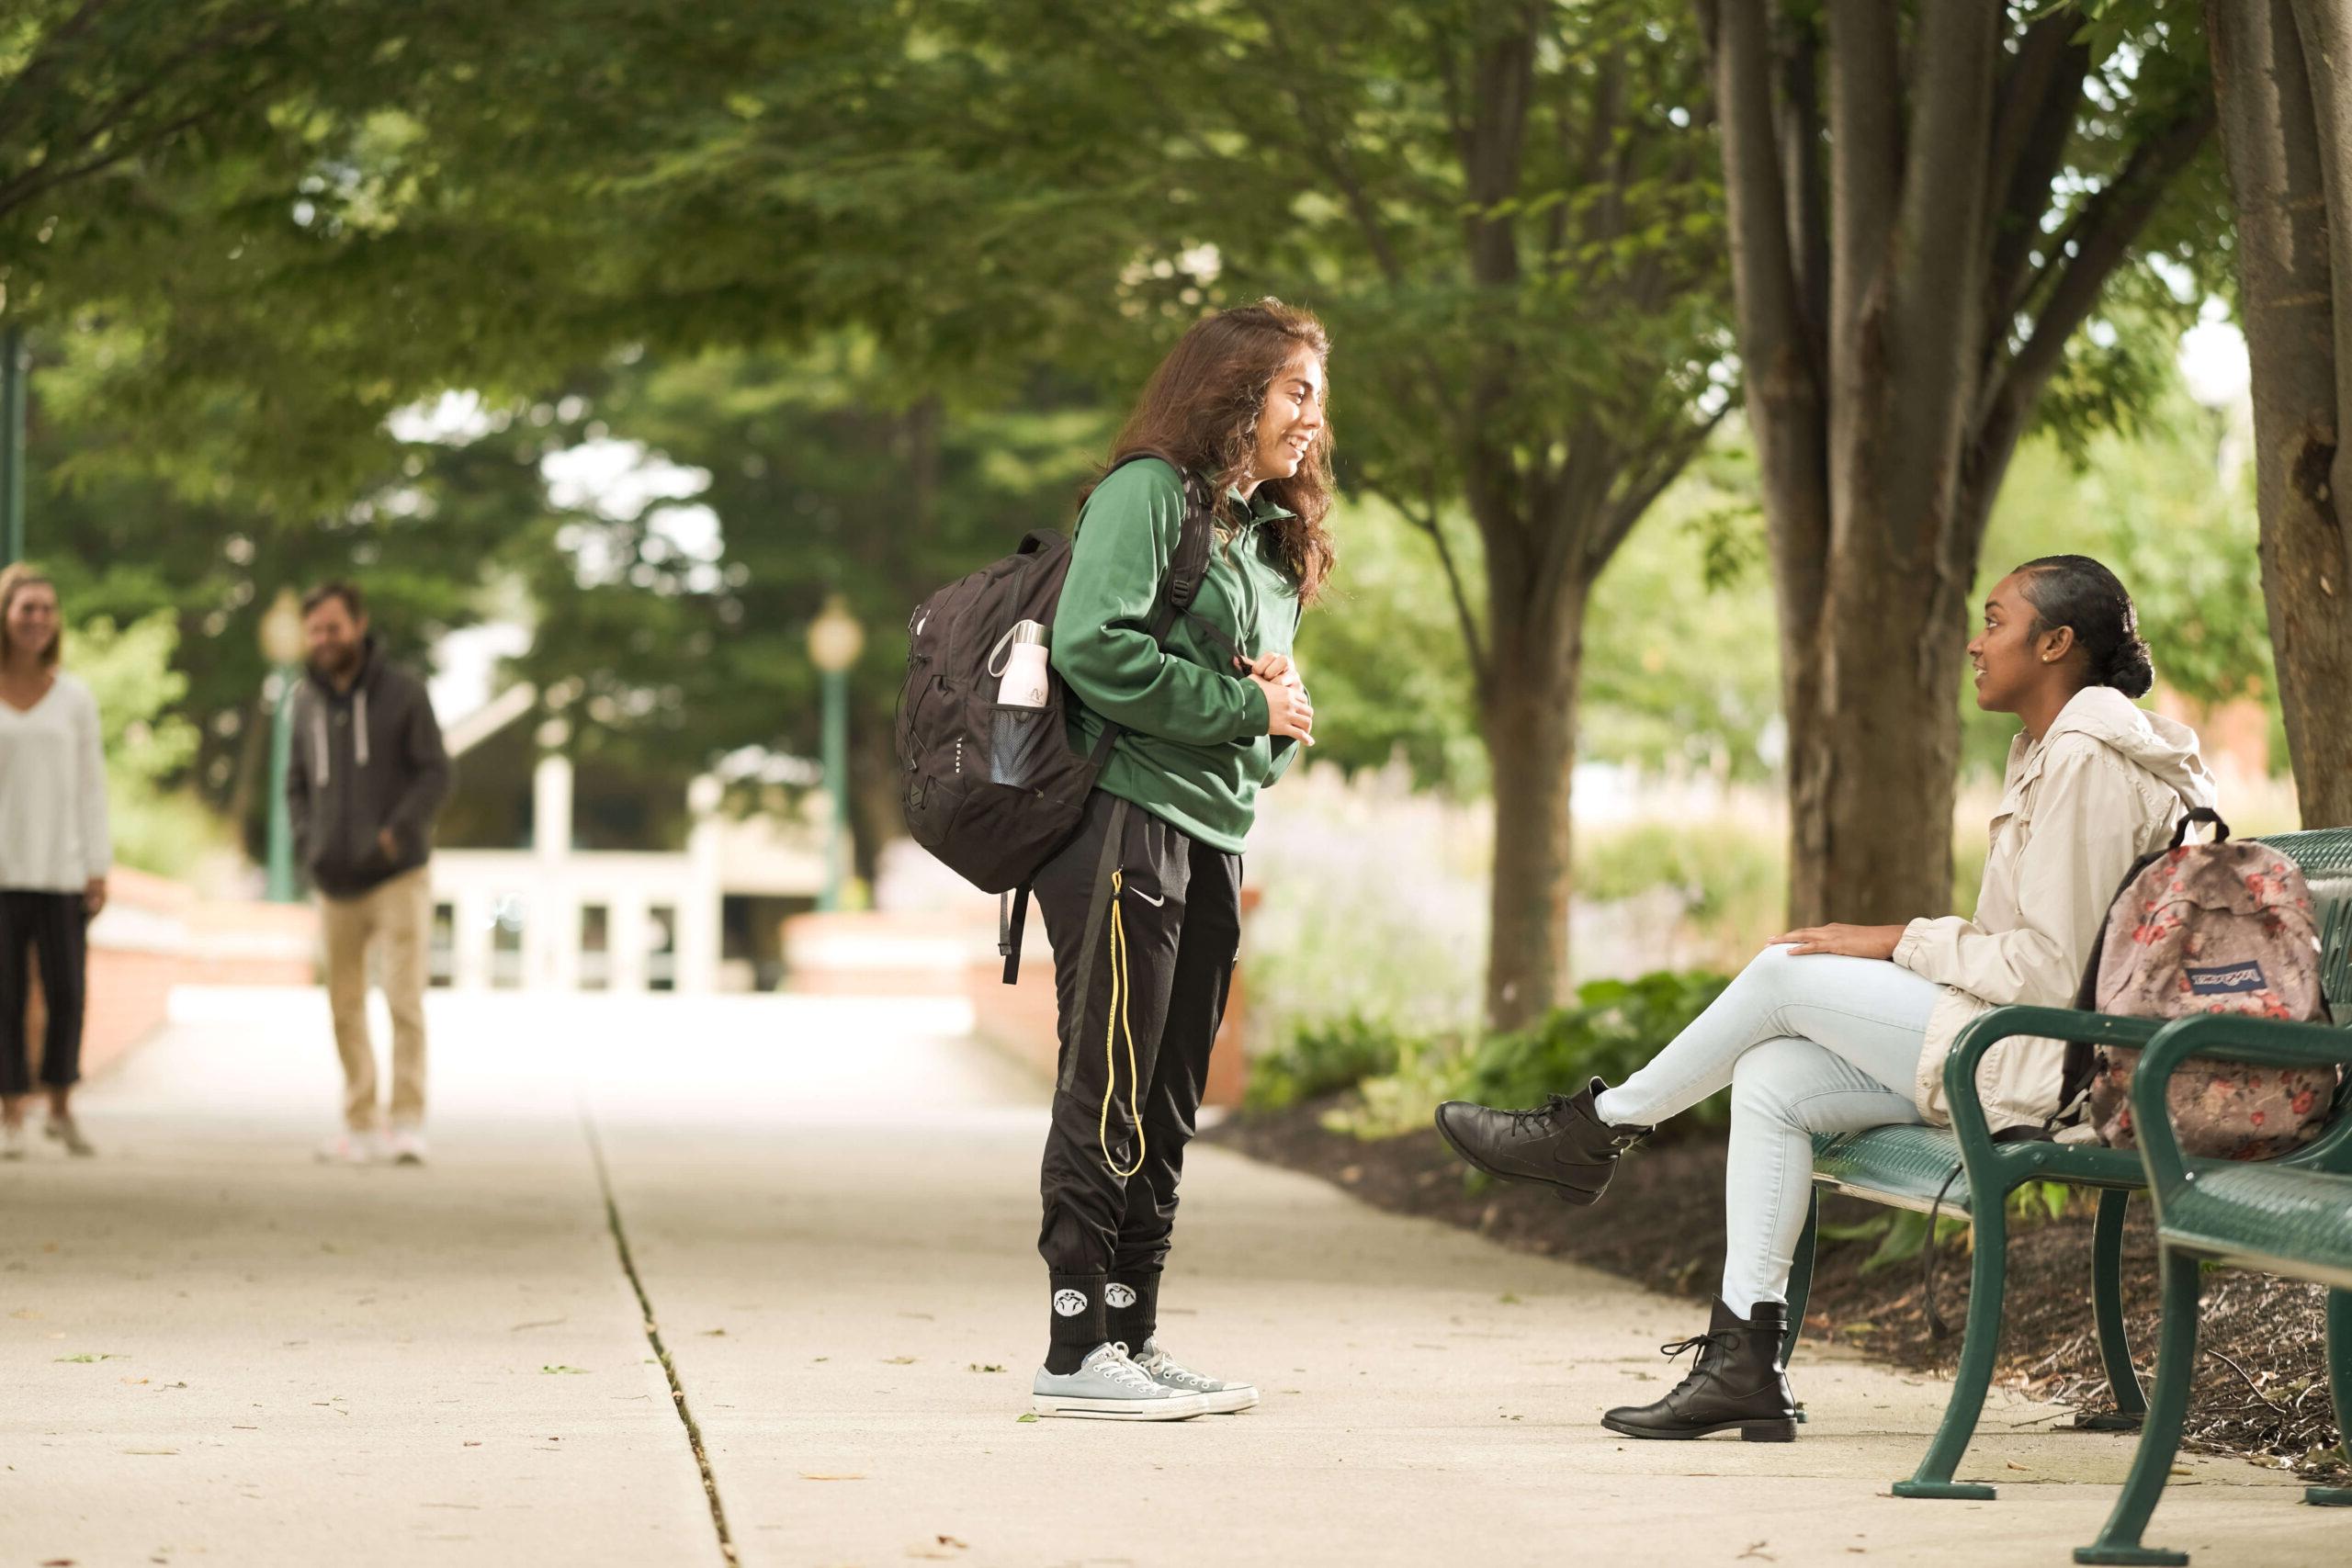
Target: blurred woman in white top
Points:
(54, 854)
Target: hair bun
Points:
(2131, 669)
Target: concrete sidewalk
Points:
(215, 1350)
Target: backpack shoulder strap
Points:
(1191, 561)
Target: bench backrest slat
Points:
(2325, 857)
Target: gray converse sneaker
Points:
(1109, 1387)
(1223, 1398)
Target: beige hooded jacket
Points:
(2106, 785)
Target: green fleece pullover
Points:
(1193, 751)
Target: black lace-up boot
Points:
(1561, 1142)
(1740, 1383)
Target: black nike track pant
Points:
(1140, 1010)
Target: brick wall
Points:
(157, 934)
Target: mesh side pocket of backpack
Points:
(1019, 739)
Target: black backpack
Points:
(994, 790)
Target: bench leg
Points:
(2160, 1439)
(1801, 1281)
(2339, 1382)
(2107, 1302)
(1980, 1342)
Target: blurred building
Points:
(577, 875)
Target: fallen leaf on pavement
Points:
(562, 1368)
(813, 1475)
(897, 1360)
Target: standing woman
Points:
(1209, 720)
(1837, 1028)
(54, 853)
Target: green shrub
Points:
(1615, 1028)
(1324, 1057)
(1732, 879)
(1902, 1233)
(129, 668)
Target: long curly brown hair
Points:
(1203, 405)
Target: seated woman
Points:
(1837, 1028)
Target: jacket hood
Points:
(2164, 747)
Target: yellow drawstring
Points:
(1113, 1026)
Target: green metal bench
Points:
(2273, 1217)
(1906, 1168)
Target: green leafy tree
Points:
(1506, 211)
(1926, 204)
(128, 669)
(2287, 131)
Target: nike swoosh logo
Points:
(1147, 898)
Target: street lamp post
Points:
(281, 644)
(13, 371)
(835, 639)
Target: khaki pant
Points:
(396, 917)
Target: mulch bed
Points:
(2261, 1390)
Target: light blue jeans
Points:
(1817, 1043)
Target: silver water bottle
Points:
(1024, 681)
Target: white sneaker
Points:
(1222, 1398)
(1109, 1387)
(406, 1146)
(13, 1142)
(67, 1131)
(349, 1148)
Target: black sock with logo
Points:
(1077, 1323)
(1134, 1302)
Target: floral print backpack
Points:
(2212, 927)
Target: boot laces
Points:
(1538, 1121)
(1701, 1343)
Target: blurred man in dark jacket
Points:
(368, 774)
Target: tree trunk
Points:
(2284, 137)
(1884, 431)
(1529, 727)
(1873, 760)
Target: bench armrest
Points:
(2236, 1036)
(1984, 1032)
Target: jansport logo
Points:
(2228, 981)
(1069, 1304)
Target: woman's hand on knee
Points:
(1851, 942)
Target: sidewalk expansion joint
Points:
(653, 1338)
